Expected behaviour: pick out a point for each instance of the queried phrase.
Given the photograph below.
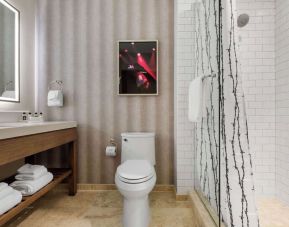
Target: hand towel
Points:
(10, 201)
(8, 94)
(31, 186)
(5, 191)
(27, 176)
(3, 185)
(195, 100)
(33, 170)
(55, 98)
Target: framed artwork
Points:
(138, 67)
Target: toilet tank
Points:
(140, 146)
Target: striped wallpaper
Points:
(77, 43)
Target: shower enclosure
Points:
(223, 162)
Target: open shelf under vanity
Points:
(24, 147)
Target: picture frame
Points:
(137, 64)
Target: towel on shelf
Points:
(195, 100)
(35, 171)
(29, 187)
(5, 191)
(10, 201)
(3, 185)
(26, 176)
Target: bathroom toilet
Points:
(136, 177)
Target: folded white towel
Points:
(195, 100)
(10, 201)
(29, 187)
(27, 176)
(33, 170)
(5, 191)
(3, 185)
(8, 94)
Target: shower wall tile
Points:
(184, 73)
(282, 99)
(257, 50)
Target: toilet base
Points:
(136, 212)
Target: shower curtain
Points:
(239, 206)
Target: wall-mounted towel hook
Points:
(57, 83)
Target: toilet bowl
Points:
(135, 179)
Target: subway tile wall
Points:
(184, 73)
(257, 55)
(282, 99)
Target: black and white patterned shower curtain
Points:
(224, 173)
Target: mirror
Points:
(9, 53)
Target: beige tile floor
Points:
(101, 209)
(273, 213)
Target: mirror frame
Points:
(17, 53)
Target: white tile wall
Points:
(257, 52)
(282, 99)
(184, 72)
(257, 47)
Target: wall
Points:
(257, 58)
(77, 42)
(282, 99)
(27, 33)
(184, 73)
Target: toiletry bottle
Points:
(24, 116)
(41, 118)
(35, 114)
(29, 116)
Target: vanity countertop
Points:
(11, 130)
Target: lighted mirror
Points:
(9, 52)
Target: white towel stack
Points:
(9, 198)
(31, 178)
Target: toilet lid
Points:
(135, 170)
(138, 181)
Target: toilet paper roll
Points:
(110, 151)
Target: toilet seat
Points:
(135, 171)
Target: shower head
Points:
(243, 20)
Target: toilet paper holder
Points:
(112, 142)
(111, 149)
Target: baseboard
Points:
(96, 187)
(201, 214)
(180, 197)
(112, 187)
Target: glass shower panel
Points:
(207, 136)
(223, 164)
